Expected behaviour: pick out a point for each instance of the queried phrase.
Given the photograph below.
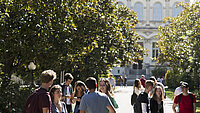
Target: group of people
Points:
(60, 97)
(155, 92)
(148, 88)
(122, 80)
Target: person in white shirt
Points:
(178, 90)
(67, 91)
(137, 87)
(112, 81)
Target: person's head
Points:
(158, 93)
(137, 83)
(105, 87)
(79, 87)
(142, 76)
(149, 85)
(91, 83)
(184, 87)
(48, 76)
(55, 92)
(180, 83)
(68, 78)
(153, 79)
(110, 75)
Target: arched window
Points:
(176, 10)
(138, 8)
(157, 12)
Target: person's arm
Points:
(173, 107)
(144, 107)
(194, 107)
(81, 111)
(45, 110)
(111, 109)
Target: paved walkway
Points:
(123, 97)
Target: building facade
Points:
(150, 14)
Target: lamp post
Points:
(31, 67)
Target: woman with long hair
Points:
(156, 102)
(56, 95)
(137, 87)
(105, 87)
(79, 91)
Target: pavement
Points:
(122, 96)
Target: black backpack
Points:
(137, 105)
(133, 98)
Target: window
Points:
(176, 10)
(155, 50)
(157, 12)
(119, 3)
(118, 71)
(138, 8)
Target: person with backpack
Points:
(40, 101)
(185, 100)
(142, 101)
(156, 102)
(137, 89)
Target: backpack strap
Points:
(179, 98)
(191, 97)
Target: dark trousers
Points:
(69, 108)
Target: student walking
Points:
(143, 80)
(125, 81)
(57, 106)
(112, 81)
(141, 105)
(137, 87)
(185, 100)
(67, 91)
(95, 102)
(156, 102)
(79, 91)
(157, 84)
(105, 87)
(40, 101)
(178, 90)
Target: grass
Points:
(170, 94)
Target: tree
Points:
(83, 37)
(180, 43)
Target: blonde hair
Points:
(109, 91)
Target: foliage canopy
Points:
(180, 42)
(83, 37)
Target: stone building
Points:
(150, 14)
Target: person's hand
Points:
(68, 96)
(78, 99)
